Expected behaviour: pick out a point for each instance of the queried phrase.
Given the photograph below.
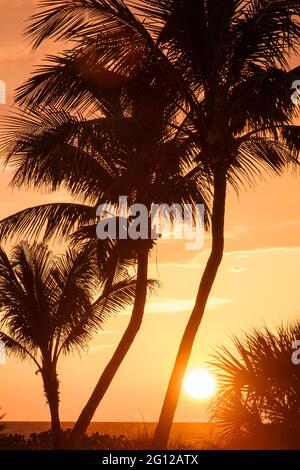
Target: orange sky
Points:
(257, 284)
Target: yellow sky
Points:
(257, 284)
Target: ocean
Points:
(191, 433)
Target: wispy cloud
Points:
(215, 302)
(100, 347)
(171, 306)
(284, 223)
(237, 270)
(275, 249)
(108, 332)
(188, 265)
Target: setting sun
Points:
(199, 384)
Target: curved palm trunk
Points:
(51, 387)
(161, 435)
(123, 347)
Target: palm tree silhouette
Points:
(258, 401)
(228, 59)
(228, 62)
(130, 146)
(232, 59)
(52, 306)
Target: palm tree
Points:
(258, 399)
(228, 62)
(127, 143)
(232, 56)
(52, 306)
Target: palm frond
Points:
(16, 349)
(258, 386)
(46, 221)
(68, 18)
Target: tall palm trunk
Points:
(51, 387)
(164, 425)
(121, 351)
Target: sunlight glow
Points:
(199, 384)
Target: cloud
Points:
(275, 249)
(284, 223)
(214, 302)
(108, 332)
(189, 265)
(195, 262)
(237, 270)
(171, 306)
(100, 347)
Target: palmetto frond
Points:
(258, 384)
